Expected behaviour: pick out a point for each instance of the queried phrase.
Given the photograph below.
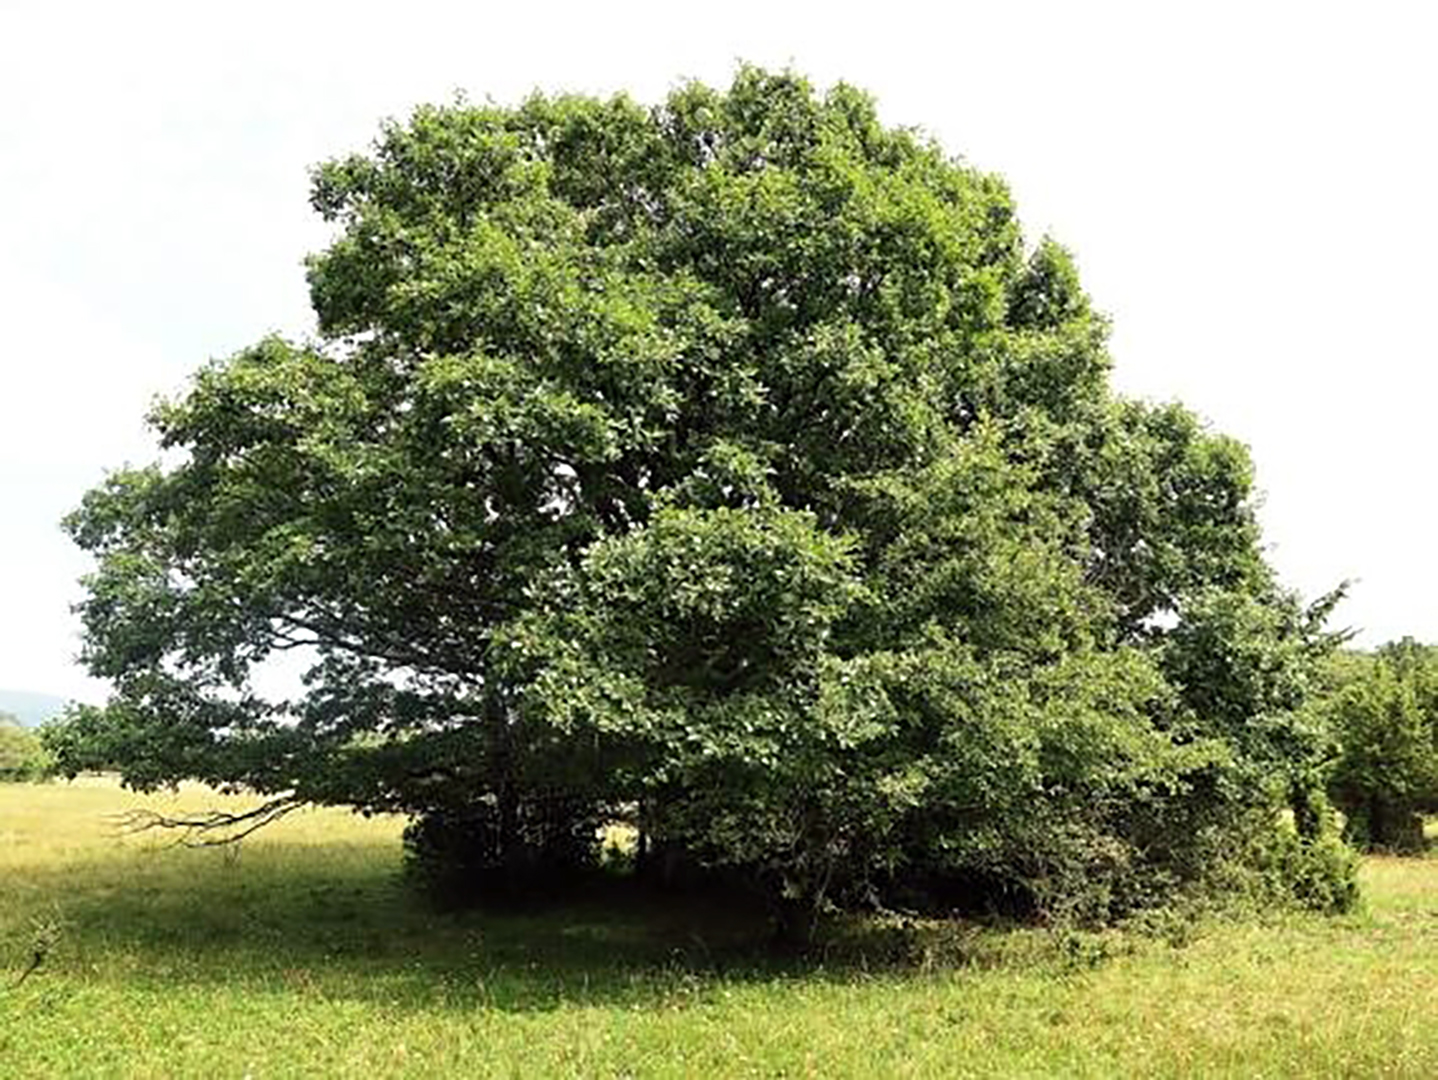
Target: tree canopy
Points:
(734, 465)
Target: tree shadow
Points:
(339, 922)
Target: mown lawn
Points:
(302, 955)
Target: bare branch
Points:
(210, 828)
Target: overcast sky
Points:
(1249, 189)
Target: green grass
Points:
(302, 955)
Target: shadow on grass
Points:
(338, 922)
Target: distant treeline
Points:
(23, 756)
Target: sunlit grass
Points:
(301, 954)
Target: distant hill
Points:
(29, 708)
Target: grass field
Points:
(300, 954)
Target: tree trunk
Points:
(1377, 824)
(1307, 812)
(796, 921)
(511, 842)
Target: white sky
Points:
(1249, 189)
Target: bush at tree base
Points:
(736, 459)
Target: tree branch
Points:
(210, 828)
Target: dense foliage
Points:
(1383, 709)
(733, 467)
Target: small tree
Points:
(1384, 712)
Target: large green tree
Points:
(734, 464)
